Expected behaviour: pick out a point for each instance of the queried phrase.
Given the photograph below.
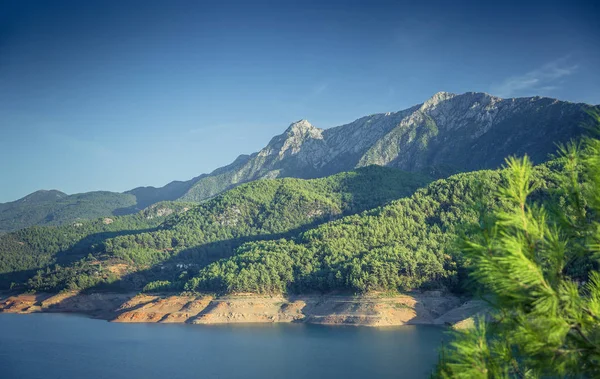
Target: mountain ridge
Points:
(447, 129)
(445, 134)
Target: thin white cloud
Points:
(312, 93)
(320, 89)
(539, 81)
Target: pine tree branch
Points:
(577, 328)
(516, 369)
(592, 315)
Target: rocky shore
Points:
(432, 308)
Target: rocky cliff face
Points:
(458, 132)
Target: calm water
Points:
(71, 347)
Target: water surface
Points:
(52, 346)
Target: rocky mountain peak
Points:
(301, 127)
(290, 142)
(459, 132)
(299, 132)
(437, 99)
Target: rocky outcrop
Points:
(100, 305)
(369, 310)
(250, 309)
(464, 316)
(168, 309)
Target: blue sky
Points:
(117, 94)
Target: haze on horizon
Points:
(134, 93)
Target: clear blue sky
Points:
(117, 94)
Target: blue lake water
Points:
(52, 346)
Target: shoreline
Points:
(427, 308)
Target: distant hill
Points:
(146, 196)
(446, 134)
(40, 196)
(56, 208)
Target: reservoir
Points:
(53, 346)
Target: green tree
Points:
(538, 265)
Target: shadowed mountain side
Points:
(84, 247)
(146, 196)
(178, 268)
(28, 250)
(405, 245)
(175, 190)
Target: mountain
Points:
(56, 208)
(40, 196)
(446, 134)
(337, 233)
(146, 196)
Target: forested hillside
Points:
(24, 251)
(405, 245)
(206, 232)
(258, 237)
(57, 208)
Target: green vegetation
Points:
(264, 209)
(537, 264)
(405, 245)
(339, 233)
(529, 245)
(418, 139)
(26, 250)
(276, 236)
(56, 208)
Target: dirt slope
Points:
(371, 310)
